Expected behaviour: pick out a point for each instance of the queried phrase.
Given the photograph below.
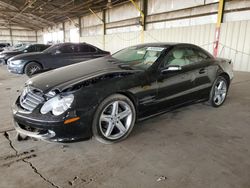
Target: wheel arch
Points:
(95, 130)
(132, 97)
(32, 61)
(226, 76)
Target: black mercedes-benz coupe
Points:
(106, 96)
(56, 56)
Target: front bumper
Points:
(52, 128)
(35, 134)
(17, 69)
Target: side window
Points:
(31, 49)
(184, 56)
(195, 56)
(67, 49)
(41, 48)
(202, 54)
(92, 49)
(83, 48)
(44, 47)
(176, 57)
(38, 48)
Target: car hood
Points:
(12, 52)
(65, 77)
(28, 56)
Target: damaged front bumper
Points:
(49, 127)
(35, 133)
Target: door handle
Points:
(202, 71)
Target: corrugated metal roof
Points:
(37, 14)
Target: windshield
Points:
(140, 57)
(18, 45)
(52, 49)
(25, 47)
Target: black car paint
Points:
(30, 48)
(50, 61)
(152, 91)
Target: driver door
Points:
(175, 79)
(62, 57)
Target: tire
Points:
(218, 92)
(114, 119)
(32, 68)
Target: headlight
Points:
(16, 62)
(58, 104)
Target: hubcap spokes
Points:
(115, 120)
(220, 92)
(33, 69)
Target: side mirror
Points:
(57, 52)
(25, 51)
(171, 69)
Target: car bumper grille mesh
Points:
(31, 98)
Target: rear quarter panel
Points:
(226, 66)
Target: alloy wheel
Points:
(220, 92)
(115, 120)
(33, 69)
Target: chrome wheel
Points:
(115, 120)
(33, 69)
(220, 92)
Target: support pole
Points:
(36, 37)
(104, 28)
(103, 20)
(80, 26)
(143, 20)
(145, 11)
(63, 27)
(218, 26)
(11, 36)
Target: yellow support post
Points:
(137, 7)
(218, 25)
(142, 19)
(220, 12)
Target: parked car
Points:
(5, 55)
(56, 56)
(106, 96)
(3, 45)
(17, 46)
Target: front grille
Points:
(31, 98)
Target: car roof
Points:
(38, 44)
(164, 44)
(75, 43)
